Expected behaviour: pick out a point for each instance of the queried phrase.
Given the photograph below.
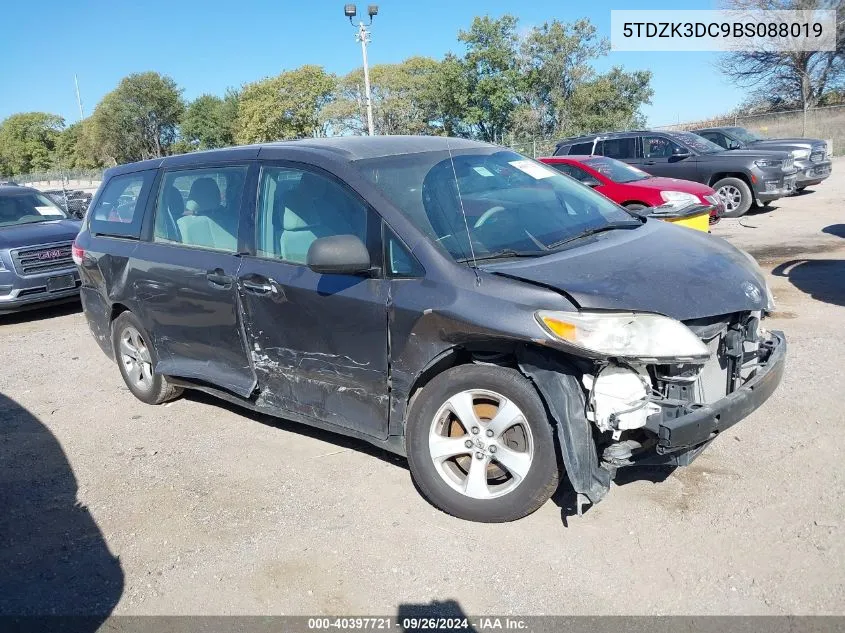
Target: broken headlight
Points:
(650, 337)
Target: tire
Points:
(136, 359)
(635, 206)
(737, 196)
(498, 492)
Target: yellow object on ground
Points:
(695, 217)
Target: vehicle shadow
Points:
(341, 441)
(822, 279)
(566, 498)
(427, 617)
(41, 314)
(54, 559)
(835, 229)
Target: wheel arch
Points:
(716, 177)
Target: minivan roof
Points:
(347, 147)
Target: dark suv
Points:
(446, 299)
(811, 155)
(741, 177)
(36, 268)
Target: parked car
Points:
(75, 202)
(8, 183)
(36, 267)
(681, 201)
(741, 177)
(811, 155)
(446, 299)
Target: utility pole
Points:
(78, 98)
(363, 36)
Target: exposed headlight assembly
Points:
(769, 162)
(799, 154)
(646, 337)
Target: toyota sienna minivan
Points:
(496, 322)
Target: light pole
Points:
(363, 36)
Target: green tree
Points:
(489, 80)
(139, 118)
(284, 107)
(76, 147)
(402, 96)
(28, 141)
(209, 121)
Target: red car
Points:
(633, 188)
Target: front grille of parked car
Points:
(44, 258)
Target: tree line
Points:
(535, 83)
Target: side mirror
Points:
(338, 255)
(680, 152)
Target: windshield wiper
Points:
(501, 254)
(594, 231)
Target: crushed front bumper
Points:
(696, 425)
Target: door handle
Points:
(257, 287)
(217, 277)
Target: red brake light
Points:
(77, 253)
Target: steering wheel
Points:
(489, 213)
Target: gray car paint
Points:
(430, 321)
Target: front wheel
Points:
(480, 445)
(736, 195)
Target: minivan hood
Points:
(658, 267)
(39, 233)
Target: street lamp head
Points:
(372, 10)
(350, 10)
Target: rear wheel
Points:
(135, 358)
(736, 195)
(480, 445)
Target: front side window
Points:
(659, 147)
(746, 136)
(296, 207)
(616, 170)
(27, 207)
(490, 203)
(120, 207)
(201, 207)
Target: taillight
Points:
(77, 253)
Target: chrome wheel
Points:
(481, 444)
(135, 356)
(731, 196)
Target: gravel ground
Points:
(200, 508)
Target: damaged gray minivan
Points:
(453, 301)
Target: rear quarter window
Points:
(119, 210)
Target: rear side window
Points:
(201, 207)
(120, 207)
(620, 148)
(581, 148)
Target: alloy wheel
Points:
(481, 444)
(135, 356)
(731, 196)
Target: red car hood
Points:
(673, 184)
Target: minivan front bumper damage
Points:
(680, 429)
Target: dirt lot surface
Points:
(198, 507)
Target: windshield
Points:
(696, 142)
(491, 203)
(26, 208)
(746, 136)
(616, 170)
